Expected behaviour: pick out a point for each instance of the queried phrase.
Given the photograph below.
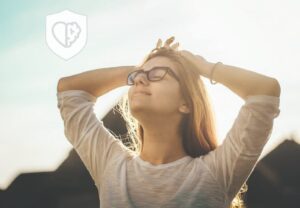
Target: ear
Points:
(184, 109)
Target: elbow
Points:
(268, 86)
(61, 84)
(275, 88)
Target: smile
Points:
(140, 93)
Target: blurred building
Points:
(275, 181)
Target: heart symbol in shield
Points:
(66, 33)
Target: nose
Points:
(141, 78)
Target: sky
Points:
(262, 36)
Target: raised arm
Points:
(96, 82)
(244, 82)
(232, 162)
(240, 81)
(76, 95)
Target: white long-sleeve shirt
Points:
(124, 180)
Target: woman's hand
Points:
(203, 66)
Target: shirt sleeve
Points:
(93, 142)
(233, 161)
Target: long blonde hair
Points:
(197, 127)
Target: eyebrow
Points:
(156, 67)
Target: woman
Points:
(174, 159)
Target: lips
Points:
(141, 92)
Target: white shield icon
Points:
(66, 33)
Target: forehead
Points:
(159, 61)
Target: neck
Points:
(162, 142)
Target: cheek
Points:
(166, 98)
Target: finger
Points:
(175, 46)
(158, 44)
(169, 41)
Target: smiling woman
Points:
(174, 159)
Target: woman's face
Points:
(162, 98)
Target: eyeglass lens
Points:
(153, 75)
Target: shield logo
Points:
(66, 33)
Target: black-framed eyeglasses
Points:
(155, 74)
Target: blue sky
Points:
(262, 36)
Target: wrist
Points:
(206, 69)
(212, 74)
(128, 70)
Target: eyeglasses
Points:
(155, 74)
